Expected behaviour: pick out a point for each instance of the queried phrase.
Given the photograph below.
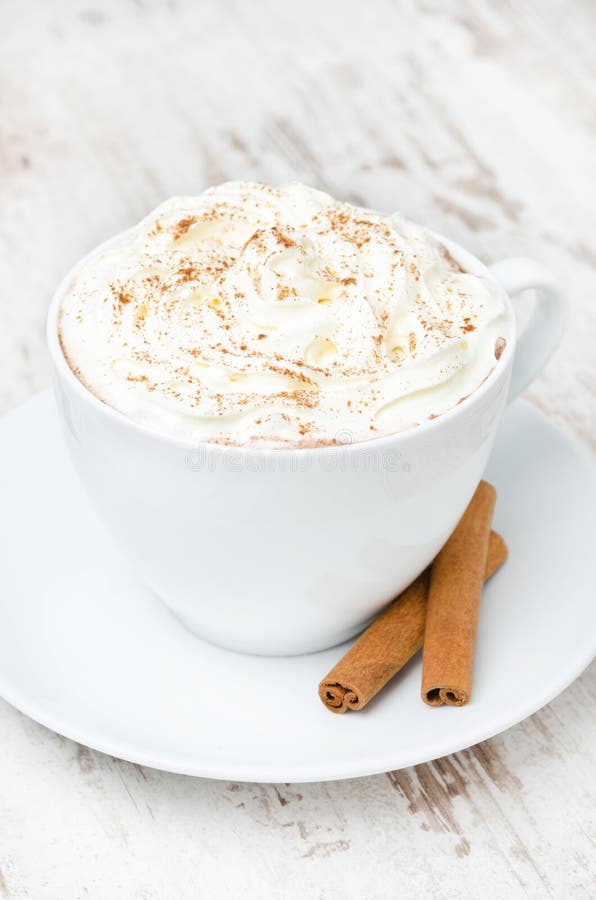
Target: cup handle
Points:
(545, 327)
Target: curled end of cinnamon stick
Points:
(338, 697)
(450, 696)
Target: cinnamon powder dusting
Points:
(182, 226)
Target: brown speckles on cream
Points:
(182, 226)
(122, 295)
(189, 272)
(500, 345)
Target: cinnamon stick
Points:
(387, 645)
(453, 604)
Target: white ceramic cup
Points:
(291, 551)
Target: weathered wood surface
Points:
(476, 118)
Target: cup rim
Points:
(467, 259)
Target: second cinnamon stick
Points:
(453, 605)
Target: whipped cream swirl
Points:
(278, 317)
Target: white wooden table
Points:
(476, 118)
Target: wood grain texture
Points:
(474, 117)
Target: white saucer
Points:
(88, 652)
